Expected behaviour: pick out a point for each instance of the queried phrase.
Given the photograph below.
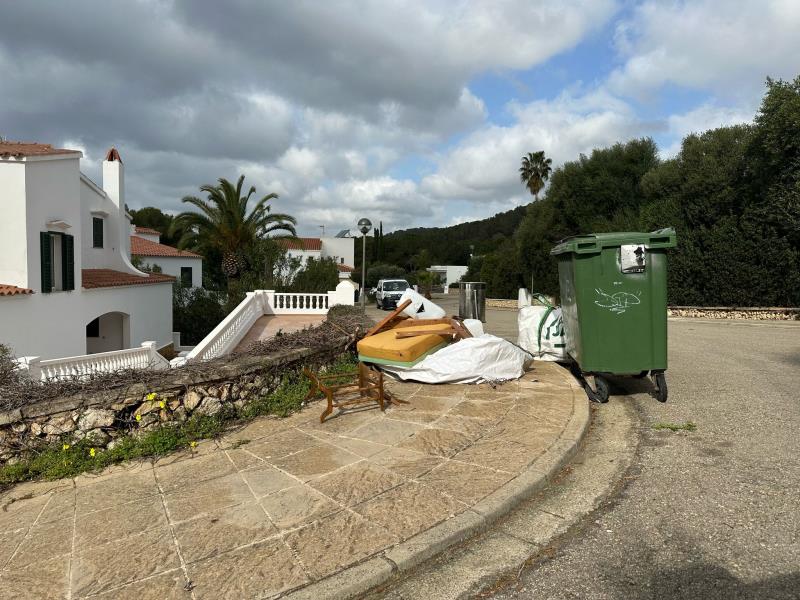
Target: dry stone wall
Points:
(104, 417)
(725, 312)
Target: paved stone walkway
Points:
(280, 503)
(268, 326)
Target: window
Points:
(93, 328)
(186, 276)
(57, 261)
(342, 261)
(97, 232)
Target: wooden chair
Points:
(367, 386)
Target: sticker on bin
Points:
(632, 258)
(617, 302)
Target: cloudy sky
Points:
(414, 113)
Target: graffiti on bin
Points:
(618, 302)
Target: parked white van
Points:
(389, 291)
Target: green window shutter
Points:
(46, 261)
(97, 232)
(68, 262)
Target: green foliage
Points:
(224, 224)
(535, 171)
(8, 369)
(317, 276)
(688, 426)
(447, 245)
(195, 312)
(502, 272)
(733, 195)
(154, 218)
(383, 271)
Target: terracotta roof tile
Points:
(143, 247)
(101, 278)
(19, 149)
(12, 290)
(345, 268)
(310, 244)
(147, 230)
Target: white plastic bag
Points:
(474, 326)
(479, 359)
(541, 332)
(420, 307)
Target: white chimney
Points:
(114, 186)
(114, 178)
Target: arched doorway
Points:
(108, 332)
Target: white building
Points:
(340, 249)
(448, 274)
(67, 285)
(185, 266)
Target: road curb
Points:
(377, 570)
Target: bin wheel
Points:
(641, 375)
(601, 395)
(660, 382)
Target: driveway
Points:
(709, 513)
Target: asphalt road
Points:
(709, 513)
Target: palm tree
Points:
(535, 170)
(224, 224)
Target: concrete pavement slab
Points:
(299, 505)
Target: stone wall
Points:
(103, 417)
(725, 312)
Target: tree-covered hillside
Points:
(449, 245)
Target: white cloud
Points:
(727, 47)
(485, 165)
(700, 119)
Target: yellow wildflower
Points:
(91, 452)
(193, 444)
(162, 404)
(65, 447)
(152, 396)
(138, 417)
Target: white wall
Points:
(171, 265)
(343, 248)
(13, 243)
(450, 273)
(148, 236)
(114, 334)
(54, 325)
(110, 255)
(304, 255)
(52, 190)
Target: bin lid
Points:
(592, 243)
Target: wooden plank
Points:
(409, 334)
(461, 328)
(420, 322)
(385, 322)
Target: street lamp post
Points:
(364, 225)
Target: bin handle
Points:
(542, 299)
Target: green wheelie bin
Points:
(614, 304)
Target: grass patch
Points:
(688, 426)
(68, 460)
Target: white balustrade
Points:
(144, 357)
(300, 304)
(225, 336)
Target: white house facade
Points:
(185, 266)
(449, 274)
(67, 284)
(340, 249)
